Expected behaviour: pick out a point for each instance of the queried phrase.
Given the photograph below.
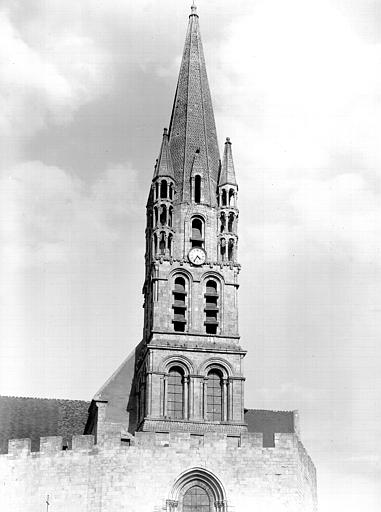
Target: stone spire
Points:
(192, 126)
(164, 166)
(227, 175)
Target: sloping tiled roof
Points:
(227, 176)
(38, 417)
(192, 126)
(164, 165)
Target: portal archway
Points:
(197, 490)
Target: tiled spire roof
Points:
(227, 175)
(164, 165)
(192, 124)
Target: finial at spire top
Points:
(193, 8)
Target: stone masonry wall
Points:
(138, 476)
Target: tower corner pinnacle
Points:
(227, 174)
(193, 9)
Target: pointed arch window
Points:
(197, 490)
(197, 189)
(196, 499)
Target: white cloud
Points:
(303, 87)
(40, 84)
(48, 215)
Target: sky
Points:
(86, 89)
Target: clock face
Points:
(197, 256)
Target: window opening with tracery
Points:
(196, 499)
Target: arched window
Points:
(163, 215)
(179, 304)
(231, 250)
(162, 243)
(223, 222)
(175, 393)
(197, 189)
(170, 216)
(214, 396)
(197, 490)
(211, 307)
(156, 190)
(197, 232)
(170, 238)
(180, 285)
(163, 189)
(156, 215)
(231, 223)
(196, 499)
(224, 198)
(171, 191)
(231, 197)
(223, 249)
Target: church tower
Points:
(189, 374)
(168, 430)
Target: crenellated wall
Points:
(114, 474)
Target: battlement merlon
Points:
(113, 437)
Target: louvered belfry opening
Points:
(197, 232)
(211, 307)
(179, 304)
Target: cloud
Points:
(65, 246)
(50, 216)
(304, 89)
(46, 82)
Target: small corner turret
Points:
(160, 214)
(228, 210)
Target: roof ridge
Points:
(45, 398)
